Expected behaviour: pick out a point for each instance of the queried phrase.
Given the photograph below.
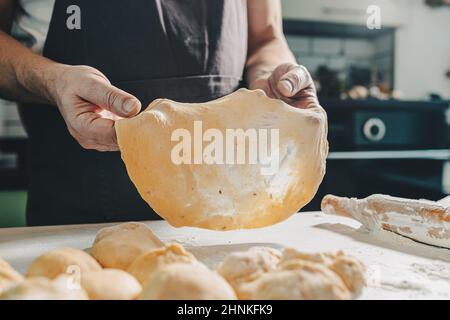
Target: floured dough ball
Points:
(273, 171)
(265, 273)
(300, 280)
(8, 276)
(60, 261)
(317, 257)
(184, 281)
(241, 268)
(110, 284)
(43, 289)
(118, 246)
(351, 272)
(150, 261)
(348, 268)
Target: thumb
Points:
(113, 99)
(293, 81)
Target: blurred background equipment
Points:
(437, 3)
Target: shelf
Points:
(439, 154)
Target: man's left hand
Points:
(291, 83)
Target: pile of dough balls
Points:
(268, 274)
(127, 262)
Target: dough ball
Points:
(151, 260)
(300, 280)
(241, 268)
(110, 284)
(43, 289)
(118, 246)
(352, 272)
(220, 196)
(348, 268)
(184, 281)
(265, 273)
(8, 276)
(60, 261)
(317, 257)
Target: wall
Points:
(423, 52)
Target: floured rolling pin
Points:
(421, 220)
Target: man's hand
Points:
(89, 105)
(291, 83)
(86, 99)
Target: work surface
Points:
(398, 268)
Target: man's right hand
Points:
(90, 105)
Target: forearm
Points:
(26, 76)
(266, 57)
(267, 46)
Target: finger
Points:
(110, 98)
(96, 132)
(306, 98)
(294, 81)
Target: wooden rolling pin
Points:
(421, 220)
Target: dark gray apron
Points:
(190, 51)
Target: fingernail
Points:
(129, 105)
(286, 86)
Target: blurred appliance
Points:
(388, 125)
(437, 3)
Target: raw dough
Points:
(43, 289)
(118, 246)
(300, 280)
(62, 261)
(184, 281)
(317, 257)
(265, 273)
(8, 276)
(241, 268)
(225, 196)
(350, 270)
(148, 262)
(110, 284)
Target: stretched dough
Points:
(43, 289)
(110, 284)
(61, 261)
(241, 268)
(225, 196)
(148, 262)
(184, 281)
(8, 276)
(118, 246)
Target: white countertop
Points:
(398, 268)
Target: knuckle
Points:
(306, 73)
(111, 97)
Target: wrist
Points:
(39, 76)
(50, 76)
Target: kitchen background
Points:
(386, 91)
